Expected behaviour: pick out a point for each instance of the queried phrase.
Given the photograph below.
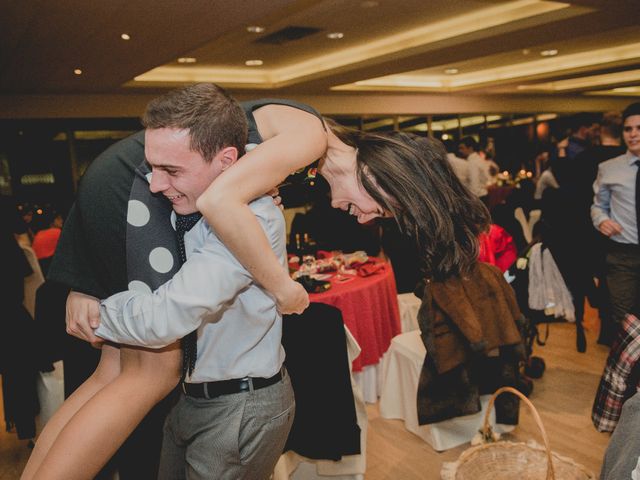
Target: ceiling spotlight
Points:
(451, 71)
(549, 53)
(445, 136)
(186, 60)
(335, 35)
(255, 29)
(253, 63)
(125, 36)
(77, 71)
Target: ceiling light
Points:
(335, 35)
(526, 51)
(255, 29)
(549, 53)
(125, 36)
(451, 71)
(253, 63)
(501, 14)
(369, 4)
(186, 60)
(77, 71)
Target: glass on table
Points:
(340, 263)
(308, 265)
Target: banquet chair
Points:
(401, 369)
(409, 305)
(33, 281)
(526, 226)
(534, 216)
(49, 385)
(313, 452)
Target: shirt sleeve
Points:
(601, 200)
(204, 287)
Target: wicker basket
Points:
(503, 460)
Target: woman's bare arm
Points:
(293, 139)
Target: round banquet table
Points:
(369, 307)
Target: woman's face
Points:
(339, 168)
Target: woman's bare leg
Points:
(98, 429)
(107, 370)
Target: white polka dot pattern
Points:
(138, 286)
(161, 259)
(138, 213)
(250, 146)
(148, 176)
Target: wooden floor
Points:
(563, 397)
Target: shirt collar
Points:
(631, 158)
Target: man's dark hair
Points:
(470, 142)
(583, 119)
(631, 110)
(214, 119)
(612, 124)
(449, 145)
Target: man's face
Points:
(464, 151)
(631, 134)
(179, 173)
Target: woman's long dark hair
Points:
(410, 176)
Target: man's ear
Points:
(228, 157)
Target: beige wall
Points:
(132, 105)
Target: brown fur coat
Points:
(461, 321)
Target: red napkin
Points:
(370, 269)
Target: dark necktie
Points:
(637, 164)
(184, 223)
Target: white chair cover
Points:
(292, 466)
(534, 216)
(409, 305)
(33, 281)
(401, 368)
(526, 227)
(50, 387)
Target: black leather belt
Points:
(226, 387)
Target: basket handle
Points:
(486, 427)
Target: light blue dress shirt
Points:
(615, 196)
(239, 328)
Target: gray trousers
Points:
(235, 437)
(623, 280)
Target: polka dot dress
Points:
(152, 247)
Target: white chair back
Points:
(33, 281)
(526, 228)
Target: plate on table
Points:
(321, 276)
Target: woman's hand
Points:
(83, 317)
(291, 297)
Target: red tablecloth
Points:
(369, 307)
